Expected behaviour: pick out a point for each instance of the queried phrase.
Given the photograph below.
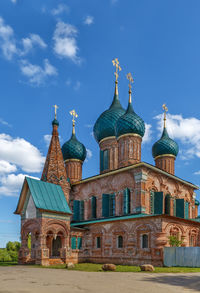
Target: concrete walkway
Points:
(23, 279)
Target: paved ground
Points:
(22, 279)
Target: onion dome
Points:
(105, 124)
(197, 202)
(55, 122)
(73, 149)
(130, 122)
(165, 145)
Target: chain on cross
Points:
(56, 107)
(130, 79)
(115, 63)
(165, 112)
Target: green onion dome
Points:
(105, 124)
(73, 149)
(130, 122)
(165, 146)
(197, 202)
(55, 122)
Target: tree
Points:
(174, 241)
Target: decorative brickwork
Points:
(74, 170)
(54, 168)
(166, 163)
(129, 150)
(111, 145)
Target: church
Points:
(124, 215)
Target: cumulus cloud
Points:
(186, 130)
(61, 8)
(21, 153)
(88, 20)
(6, 167)
(30, 41)
(35, 73)
(89, 155)
(11, 184)
(7, 40)
(148, 133)
(47, 139)
(65, 43)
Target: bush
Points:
(4, 255)
(174, 241)
(10, 253)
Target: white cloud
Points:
(3, 122)
(186, 130)
(14, 1)
(89, 155)
(7, 40)
(35, 73)
(197, 173)
(61, 8)
(77, 86)
(114, 2)
(88, 20)
(148, 133)
(68, 82)
(65, 44)
(6, 167)
(11, 184)
(32, 40)
(47, 139)
(21, 153)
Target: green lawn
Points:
(89, 267)
(7, 263)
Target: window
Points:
(81, 210)
(79, 242)
(167, 204)
(186, 210)
(126, 201)
(94, 207)
(78, 210)
(108, 205)
(145, 241)
(120, 242)
(180, 207)
(104, 160)
(73, 242)
(98, 242)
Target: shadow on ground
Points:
(188, 281)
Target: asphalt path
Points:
(24, 279)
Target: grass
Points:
(90, 267)
(7, 263)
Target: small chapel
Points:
(123, 215)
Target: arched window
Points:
(120, 241)
(145, 241)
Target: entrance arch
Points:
(56, 245)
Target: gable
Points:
(45, 196)
(30, 211)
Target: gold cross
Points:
(75, 115)
(56, 107)
(130, 78)
(165, 111)
(115, 63)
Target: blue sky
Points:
(60, 52)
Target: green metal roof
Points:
(110, 219)
(48, 196)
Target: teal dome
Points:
(130, 122)
(105, 124)
(55, 122)
(197, 202)
(73, 149)
(165, 146)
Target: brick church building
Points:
(124, 215)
